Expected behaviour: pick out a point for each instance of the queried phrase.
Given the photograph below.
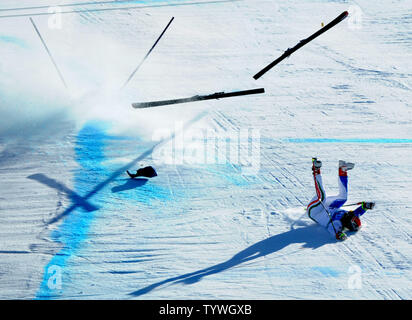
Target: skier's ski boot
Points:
(344, 167)
(316, 165)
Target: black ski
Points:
(217, 95)
(289, 51)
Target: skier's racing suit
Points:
(325, 210)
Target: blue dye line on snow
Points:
(13, 40)
(90, 155)
(327, 271)
(228, 172)
(92, 150)
(350, 140)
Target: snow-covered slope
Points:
(221, 220)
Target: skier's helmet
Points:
(351, 222)
(355, 224)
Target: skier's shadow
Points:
(97, 188)
(311, 236)
(129, 185)
(60, 187)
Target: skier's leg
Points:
(319, 189)
(315, 208)
(337, 201)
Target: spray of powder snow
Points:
(28, 95)
(95, 65)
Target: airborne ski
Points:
(217, 95)
(289, 51)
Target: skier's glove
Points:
(341, 236)
(368, 205)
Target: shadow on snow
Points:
(82, 201)
(129, 185)
(310, 236)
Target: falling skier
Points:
(326, 210)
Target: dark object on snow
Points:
(217, 95)
(289, 51)
(351, 222)
(148, 172)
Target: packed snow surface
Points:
(225, 217)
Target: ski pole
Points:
(330, 217)
(352, 204)
(147, 54)
(49, 53)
